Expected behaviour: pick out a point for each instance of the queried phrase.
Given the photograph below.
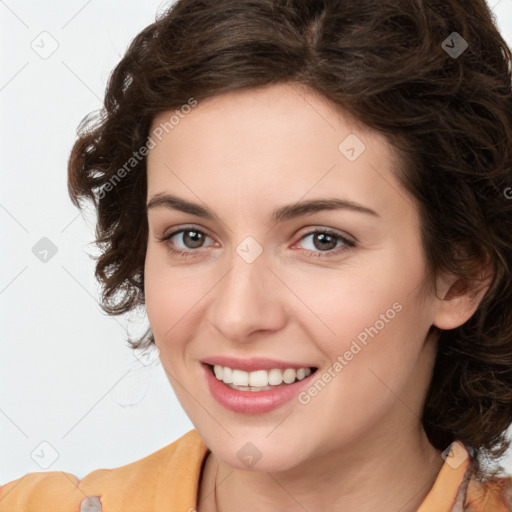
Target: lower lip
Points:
(252, 402)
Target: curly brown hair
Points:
(392, 65)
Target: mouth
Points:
(242, 397)
(255, 385)
(259, 380)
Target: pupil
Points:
(324, 238)
(193, 239)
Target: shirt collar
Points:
(449, 489)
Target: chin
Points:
(257, 456)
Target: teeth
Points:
(275, 377)
(240, 378)
(259, 380)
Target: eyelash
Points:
(349, 244)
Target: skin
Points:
(243, 154)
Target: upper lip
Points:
(253, 364)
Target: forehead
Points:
(281, 137)
(277, 105)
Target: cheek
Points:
(164, 294)
(173, 298)
(372, 338)
(153, 290)
(377, 303)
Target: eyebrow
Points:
(287, 212)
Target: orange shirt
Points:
(168, 481)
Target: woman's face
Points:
(348, 300)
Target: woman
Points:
(312, 200)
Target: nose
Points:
(249, 299)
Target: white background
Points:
(68, 378)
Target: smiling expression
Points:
(234, 268)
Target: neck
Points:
(376, 475)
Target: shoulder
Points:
(59, 491)
(494, 495)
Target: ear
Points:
(458, 299)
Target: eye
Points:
(324, 242)
(185, 242)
